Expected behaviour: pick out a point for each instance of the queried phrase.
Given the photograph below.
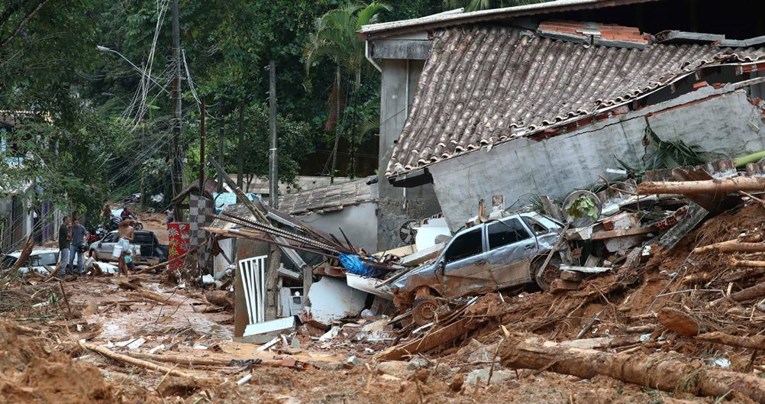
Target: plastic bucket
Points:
(117, 251)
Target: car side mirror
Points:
(100, 244)
(442, 266)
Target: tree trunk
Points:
(659, 371)
(337, 127)
(240, 149)
(134, 361)
(753, 342)
(702, 187)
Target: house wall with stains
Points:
(723, 121)
(396, 206)
(359, 223)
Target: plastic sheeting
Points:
(355, 265)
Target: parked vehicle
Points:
(483, 259)
(38, 259)
(146, 248)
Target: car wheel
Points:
(544, 276)
(424, 310)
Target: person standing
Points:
(126, 232)
(77, 237)
(63, 246)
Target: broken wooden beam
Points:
(635, 231)
(717, 185)
(658, 371)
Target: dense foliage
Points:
(85, 85)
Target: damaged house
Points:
(539, 100)
(277, 290)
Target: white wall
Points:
(359, 222)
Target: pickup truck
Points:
(147, 249)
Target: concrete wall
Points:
(358, 222)
(721, 121)
(396, 206)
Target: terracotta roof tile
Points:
(487, 85)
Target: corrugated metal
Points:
(458, 17)
(484, 86)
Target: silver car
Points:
(482, 259)
(102, 250)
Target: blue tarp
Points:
(355, 265)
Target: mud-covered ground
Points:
(42, 359)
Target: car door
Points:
(106, 246)
(511, 246)
(464, 269)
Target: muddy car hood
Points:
(426, 271)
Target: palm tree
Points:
(473, 5)
(334, 38)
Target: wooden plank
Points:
(428, 342)
(603, 235)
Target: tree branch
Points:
(23, 23)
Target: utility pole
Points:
(177, 168)
(220, 145)
(202, 150)
(273, 172)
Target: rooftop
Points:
(486, 85)
(459, 17)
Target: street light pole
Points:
(138, 69)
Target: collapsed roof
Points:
(486, 85)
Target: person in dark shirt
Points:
(63, 246)
(77, 237)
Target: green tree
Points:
(474, 5)
(335, 38)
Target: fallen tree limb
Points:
(147, 294)
(134, 361)
(754, 292)
(753, 238)
(661, 371)
(753, 342)
(718, 185)
(746, 263)
(430, 341)
(182, 360)
(25, 253)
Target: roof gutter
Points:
(369, 58)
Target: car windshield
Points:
(8, 261)
(143, 238)
(43, 259)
